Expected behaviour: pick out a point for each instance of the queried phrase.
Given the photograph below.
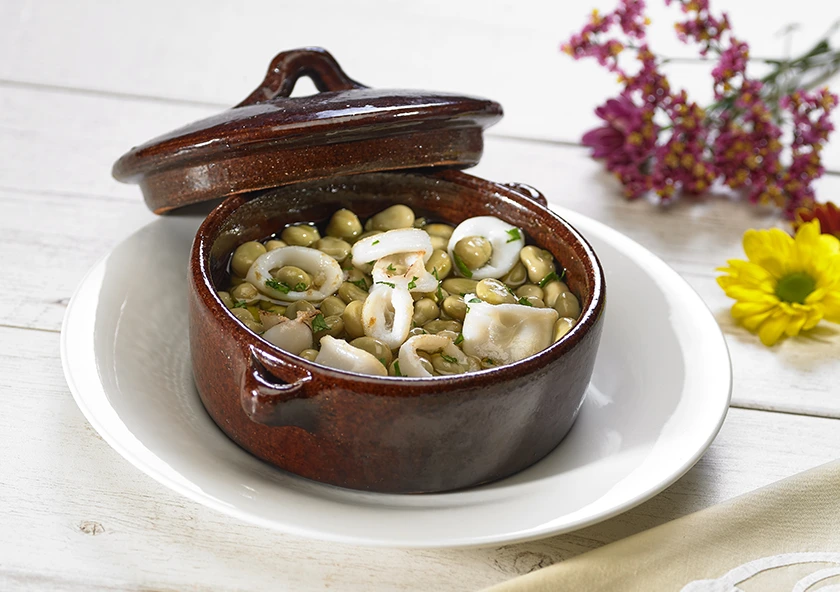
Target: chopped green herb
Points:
(382, 361)
(489, 361)
(525, 302)
(241, 304)
(376, 242)
(397, 369)
(475, 300)
(562, 274)
(462, 267)
(439, 293)
(449, 359)
(319, 323)
(413, 283)
(360, 283)
(459, 339)
(389, 284)
(279, 286)
(391, 267)
(549, 278)
(371, 262)
(514, 235)
(299, 287)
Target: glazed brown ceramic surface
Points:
(388, 434)
(272, 139)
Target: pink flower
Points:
(623, 118)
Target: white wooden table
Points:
(82, 82)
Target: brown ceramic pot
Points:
(388, 434)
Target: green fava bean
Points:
(352, 317)
(562, 326)
(336, 248)
(332, 305)
(439, 264)
(301, 306)
(441, 230)
(567, 305)
(494, 292)
(398, 216)
(294, 277)
(309, 354)
(335, 327)
(530, 290)
(349, 292)
(226, 299)
(474, 251)
(245, 292)
(459, 285)
(345, 225)
(446, 367)
(373, 346)
(244, 256)
(425, 310)
(455, 307)
(437, 326)
(273, 245)
(301, 235)
(538, 262)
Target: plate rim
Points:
(618, 239)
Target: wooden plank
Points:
(500, 49)
(76, 515)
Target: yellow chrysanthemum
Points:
(788, 285)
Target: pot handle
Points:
(276, 393)
(529, 192)
(287, 67)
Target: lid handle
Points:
(287, 67)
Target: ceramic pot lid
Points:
(272, 139)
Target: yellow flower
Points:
(789, 283)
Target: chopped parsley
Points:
(525, 302)
(361, 283)
(397, 369)
(475, 300)
(449, 359)
(371, 262)
(413, 283)
(549, 278)
(241, 304)
(462, 267)
(319, 323)
(489, 361)
(514, 235)
(459, 339)
(376, 242)
(299, 287)
(279, 286)
(389, 284)
(439, 293)
(391, 267)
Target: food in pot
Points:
(400, 296)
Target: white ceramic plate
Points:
(658, 396)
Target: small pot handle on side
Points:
(285, 69)
(527, 191)
(276, 393)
